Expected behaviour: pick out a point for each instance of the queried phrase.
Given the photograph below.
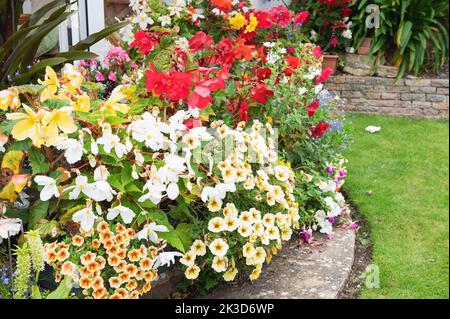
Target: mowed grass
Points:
(406, 166)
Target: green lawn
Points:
(406, 166)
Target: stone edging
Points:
(426, 98)
(317, 271)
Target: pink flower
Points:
(112, 76)
(99, 77)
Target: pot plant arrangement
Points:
(414, 30)
(167, 154)
(329, 26)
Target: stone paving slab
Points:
(317, 271)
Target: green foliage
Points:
(19, 52)
(413, 34)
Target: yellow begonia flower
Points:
(83, 103)
(72, 79)
(60, 119)
(52, 84)
(113, 105)
(9, 99)
(30, 125)
(252, 24)
(238, 21)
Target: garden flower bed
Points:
(204, 141)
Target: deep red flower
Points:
(200, 41)
(243, 111)
(224, 5)
(263, 74)
(264, 21)
(201, 97)
(317, 52)
(293, 62)
(346, 12)
(334, 42)
(319, 129)
(280, 15)
(313, 108)
(144, 41)
(261, 93)
(301, 17)
(193, 123)
(175, 85)
(324, 76)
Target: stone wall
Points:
(428, 98)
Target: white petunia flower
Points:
(182, 43)
(50, 189)
(125, 213)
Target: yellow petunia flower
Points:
(51, 84)
(238, 21)
(253, 23)
(30, 125)
(9, 99)
(113, 105)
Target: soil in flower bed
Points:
(363, 255)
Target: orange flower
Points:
(146, 288)
(93, 267)
(122, 253)
(101, 262)
(100, 293)
(139, 275)
(84, 271)
(85, 282)
(63, 254)
(113, 260)
(153, 251)
(115, 282)
(68, 268)
(149, 276)
(98, 283)
(125, 277)
(122, 292)
(130, 233)
(116, 296)
(134, 255)
(120, 266)
(146, 264)
(77, 240)
(114, 249)
(102, 227)
(119, 239)
(96, 244)
(87, 258)
(51, 257)
(131, 285)
(134, 295)
(57, 278)
(106, 235)
(143, 251)
(62, 246)
(120, 228)
(108, 244)
(131, 269)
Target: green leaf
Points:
(35, 292)
(173, 240)
(38, 211)
(38, 67)
(94, 38)
(183, 231)
(38, 162)
(6, 127)
(63, 290)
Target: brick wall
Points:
(428, 98)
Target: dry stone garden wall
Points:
(427, 98)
